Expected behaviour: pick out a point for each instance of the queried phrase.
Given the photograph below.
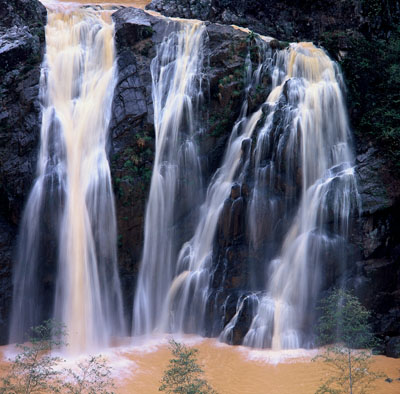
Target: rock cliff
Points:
(374, 269)
(21, 52)
(375, 239)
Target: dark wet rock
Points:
(132, 139)
(21, 50)
(245, 317)
(240, 315)
(235, 191)
(377, 285)
(132, 129)
(284, 19)
(7, 239)
(371, 182)
(376, 234)
(393, 347)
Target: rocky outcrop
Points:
(132, 139)
(21, 50)
(376, 274)
(287, 19)
(290, 20)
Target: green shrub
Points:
(35, 370)
(183, 374)
(344, 327)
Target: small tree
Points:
(32, 370)
(93, 376)
(183, 374)
(344, 327)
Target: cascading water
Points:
(299, 172)
(176, 185)
(172, 288)
(190, 288)
(299, 208)
(305, 141)
(70, 214)
(190, 292)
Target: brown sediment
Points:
(234, 370)
(230, 370)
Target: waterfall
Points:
(69, 218)
(287, 171)
(295, 150)
(173, 286)
(176, 186)
(303, 148)
(187, 307)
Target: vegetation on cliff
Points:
(372, 70)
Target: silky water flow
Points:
(69, 218)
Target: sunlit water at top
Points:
(65, 3)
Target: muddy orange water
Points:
(232, 370)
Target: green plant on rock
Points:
(371, 69)
(371, 7)
(183, 375)
(251, 36)
(344, 327)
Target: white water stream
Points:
(73, 187)
(314, 150)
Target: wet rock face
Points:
(132, 152)
(21, 50)
(132, 129)
(230, 253)
(132, 140)
(393, 347)
(375, 239)
(285, 19)
(376, 275)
